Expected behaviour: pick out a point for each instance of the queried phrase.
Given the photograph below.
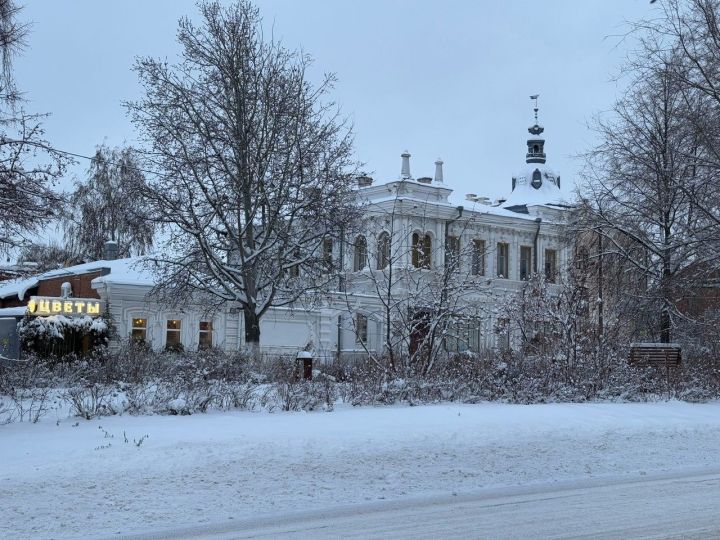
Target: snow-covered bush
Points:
(27, 391)
(55, 335)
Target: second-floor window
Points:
(525, 262)
(550, 265)
(452, 252)
(477, 267)
(294, 270)
(503, 262)
(360, 259)
(421, 250)
(383, 250)
(327, 248)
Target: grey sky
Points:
(442, 79)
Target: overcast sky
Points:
(446, 79)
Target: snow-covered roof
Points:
(526, 194)
(13, 311)
(130, 270)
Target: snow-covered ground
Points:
(75, 479)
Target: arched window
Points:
(536, 149)
(383, 250)
(360, 259)
(422, 248)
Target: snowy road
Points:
(365, 471)
(663, 506)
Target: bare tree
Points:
(428, 294)
(28, 165)
(255, 166)
(642, 184)
(109, 206)
(48, 256)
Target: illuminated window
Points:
(172, 336)
(478, 258)
(138, 331)
(205, 335)
(525, 262)
(503, 251)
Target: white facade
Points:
(407, 221)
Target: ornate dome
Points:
(536, 183)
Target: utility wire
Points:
(50, 148)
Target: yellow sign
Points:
(47, 305)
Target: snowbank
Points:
(104, 477)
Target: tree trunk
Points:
(252, 331)
(665, 325)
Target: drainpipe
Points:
(339, 336)
(535, 245)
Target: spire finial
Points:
(535, 98)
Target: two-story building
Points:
(421, 249)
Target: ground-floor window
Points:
(138, 332)
(205, 335)
(464, 336)
(172, 336)
(361, 328)
(550, 265)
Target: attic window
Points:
(536, 179)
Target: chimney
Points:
(405, 171)
(110, 250)
(438, 171)
(471, 196)
(364, 181)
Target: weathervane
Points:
(535, 97)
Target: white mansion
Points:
(422, 250)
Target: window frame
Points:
(169, 331)
(327, 252)
(207, 331)
(361, 329)
(134, 327)
(421, 251)
(477, 264)
(502, 254)
(383, 250)
(550, 272)
(360, 254)
(525, 261)
(452, 252)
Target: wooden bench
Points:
(658, 354)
